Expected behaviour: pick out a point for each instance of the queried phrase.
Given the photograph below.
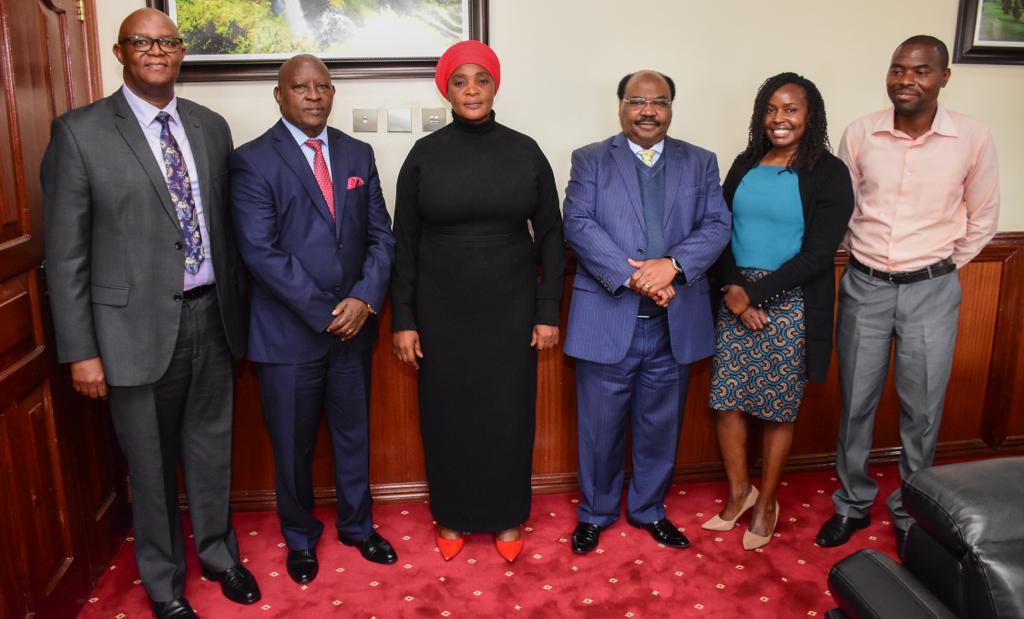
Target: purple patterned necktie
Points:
(180, 188)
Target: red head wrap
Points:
(466, 52)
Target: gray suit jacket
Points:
(114, 258)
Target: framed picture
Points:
(990, 32)
(249, 39)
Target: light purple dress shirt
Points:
(146, 114)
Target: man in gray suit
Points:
(147, 294)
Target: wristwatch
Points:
(370, 308)
(675, 264)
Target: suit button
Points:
(177, 297)
(340, 245)
(177, 245)
(640, 250)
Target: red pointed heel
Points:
(509, 550)
(449, 547)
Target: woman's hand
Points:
(755, 319)
(406, 346)
(544, 337)
(736, 299)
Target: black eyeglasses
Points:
(143, 44)
(636, 103)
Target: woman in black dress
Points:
(791, 202)
(468, 309)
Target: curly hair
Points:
(815, 139)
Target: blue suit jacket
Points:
(302, 261)
(604, 224)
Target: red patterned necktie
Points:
(323, 176)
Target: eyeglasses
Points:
(143, 44)
(637, 103)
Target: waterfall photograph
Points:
(220, 30)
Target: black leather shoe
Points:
(838, 529)
(237, 583)
(585, 537)
(302, 565)
(663, 532)
(175, 609)
(901, 540)
(374, 548)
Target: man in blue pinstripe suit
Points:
(646, 217)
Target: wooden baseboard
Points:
(553, 483)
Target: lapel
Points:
(675, 165)
(131, 132)
(197, 143)
(293, 157)
(623, 157)
(339, 175)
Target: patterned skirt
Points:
(761, 372)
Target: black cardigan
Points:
(826, 194)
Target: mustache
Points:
(648, 119)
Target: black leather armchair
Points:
(964, 555)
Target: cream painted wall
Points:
(561, 61)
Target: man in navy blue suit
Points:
(646, 217)
(313, 230)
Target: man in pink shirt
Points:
(927, 202)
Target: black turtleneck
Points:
(476, 179)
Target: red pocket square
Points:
(355, 181)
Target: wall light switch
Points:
(364, 120)
(434, 118)
(400, 120)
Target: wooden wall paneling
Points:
(962, 432)
(396, 468)
(984, 407)
(1004, 396)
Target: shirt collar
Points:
(942, 124)
(145, 111)
(636, 148)
(301, 137)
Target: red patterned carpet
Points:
(629, 575)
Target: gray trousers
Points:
(186, 413)
(922, 320)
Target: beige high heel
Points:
(717, 523)
(753, 541)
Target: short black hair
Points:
(815, 139)
(930, 41)
(621, 92)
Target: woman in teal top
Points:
(791, 202)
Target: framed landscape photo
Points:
(249, 39)
(990, 32)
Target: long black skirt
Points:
(478, 376)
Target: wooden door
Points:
(61, 479)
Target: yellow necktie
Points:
(648, 157)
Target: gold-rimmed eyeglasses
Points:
(636, 103)
(143, 44)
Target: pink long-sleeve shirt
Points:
(920, 201)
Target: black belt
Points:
(195, 293)
(931, 271)
(652, 314)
